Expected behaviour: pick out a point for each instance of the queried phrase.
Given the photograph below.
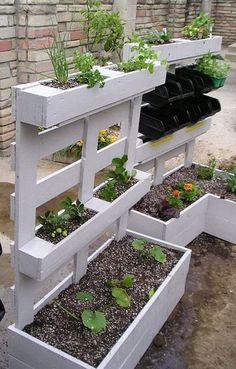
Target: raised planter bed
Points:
(47, 106)
(210, 213)
(39, 258)
(25, 351)
(182, 49)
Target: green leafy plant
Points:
(117, 176)
(208, 171)
(199, 28)
(151, 292)
(87, 73)
(175, 201)
(121, 296)
(212, 66)
(57, 56)
(189, 191)
(104, 29)
(144, 58)
(231, 180)
(73, 210)
(54, 223)
(127, 281)
(94, 320)
(155, 252)
(84, 296)
(157, 38)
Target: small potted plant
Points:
(214, 67)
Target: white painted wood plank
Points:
(221, 219)
(142, 223)
(189, 151)
(46, 106)
(17, 364)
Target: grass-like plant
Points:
(57, 56)
(208, 171)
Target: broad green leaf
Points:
(151, 292)
(121, 296)
(138, 244)
(113, 282)
(84, 296)
(94, 320)
(128, 280)
(157, 253)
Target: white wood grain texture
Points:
(221, 218)
(189, 151)
(46, 106)
(13, 363)
(151, 150)
(123, 355)
(159, 170)
(13, 156)
(189, 225)
(80, 263)
(39, 259)
(121, 225)
(145, 224)
(181, 49)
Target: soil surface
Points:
(120, 188)
(63, 86)
(52, 325)
(201, 332)
(70, 226)
(150, 203)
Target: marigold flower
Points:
(102, 132)
(175, 193)
(188, 186)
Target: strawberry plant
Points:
(73, 210)
(54, 223)
(155, 252)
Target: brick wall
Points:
(28, 27)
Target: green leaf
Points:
(151, 292)
(157, 253)
(94, 320)
(84, 296)
(113, 282)
(128, 280)
(121, 296)
(138, 244)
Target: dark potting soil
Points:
(120, 188)
(149, 204)
(71, 226)
(63, 86)
(53, 326)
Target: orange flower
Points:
(175, 193)
(188, 186)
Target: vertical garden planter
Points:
(29, 352)
(181, 49)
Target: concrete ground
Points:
(220, 142)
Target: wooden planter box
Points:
(39, 258)
(27, 352)
(182, 49)
(45, 106)
(209, 214)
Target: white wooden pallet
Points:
(210, 214)
(45, 106)
(181, 49)
(30, 353)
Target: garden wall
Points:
(26, 29)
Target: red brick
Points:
(141, 13)
(5, 45)
(77, 35)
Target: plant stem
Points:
(68, 312)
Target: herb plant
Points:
(145, 58)
(208, 171)
(199, 28)
(54, 223)
(108, 193)
(155, 252)
(87, 73)
(57, 56)
(213, 66)
(121, 296)
(231, 180)
(127, 281)
(104, 29)
(73, 211)
(157, 38)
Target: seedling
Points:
(212, 66)
(84, 296)
(94, 320)
(87, 73)
(73, 211)
(127, 281)
(57, 56)
(121, 296)
(231, 180)
(54, 223)
(199, 28)
(155, 252)
(151, 293)
(157, 38)
(208, 171)
(119, 174)
(108, 193)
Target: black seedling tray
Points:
(202, 83)
(175, 88)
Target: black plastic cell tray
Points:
(201, 85)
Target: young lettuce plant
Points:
(155, 252)
(87, 73)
